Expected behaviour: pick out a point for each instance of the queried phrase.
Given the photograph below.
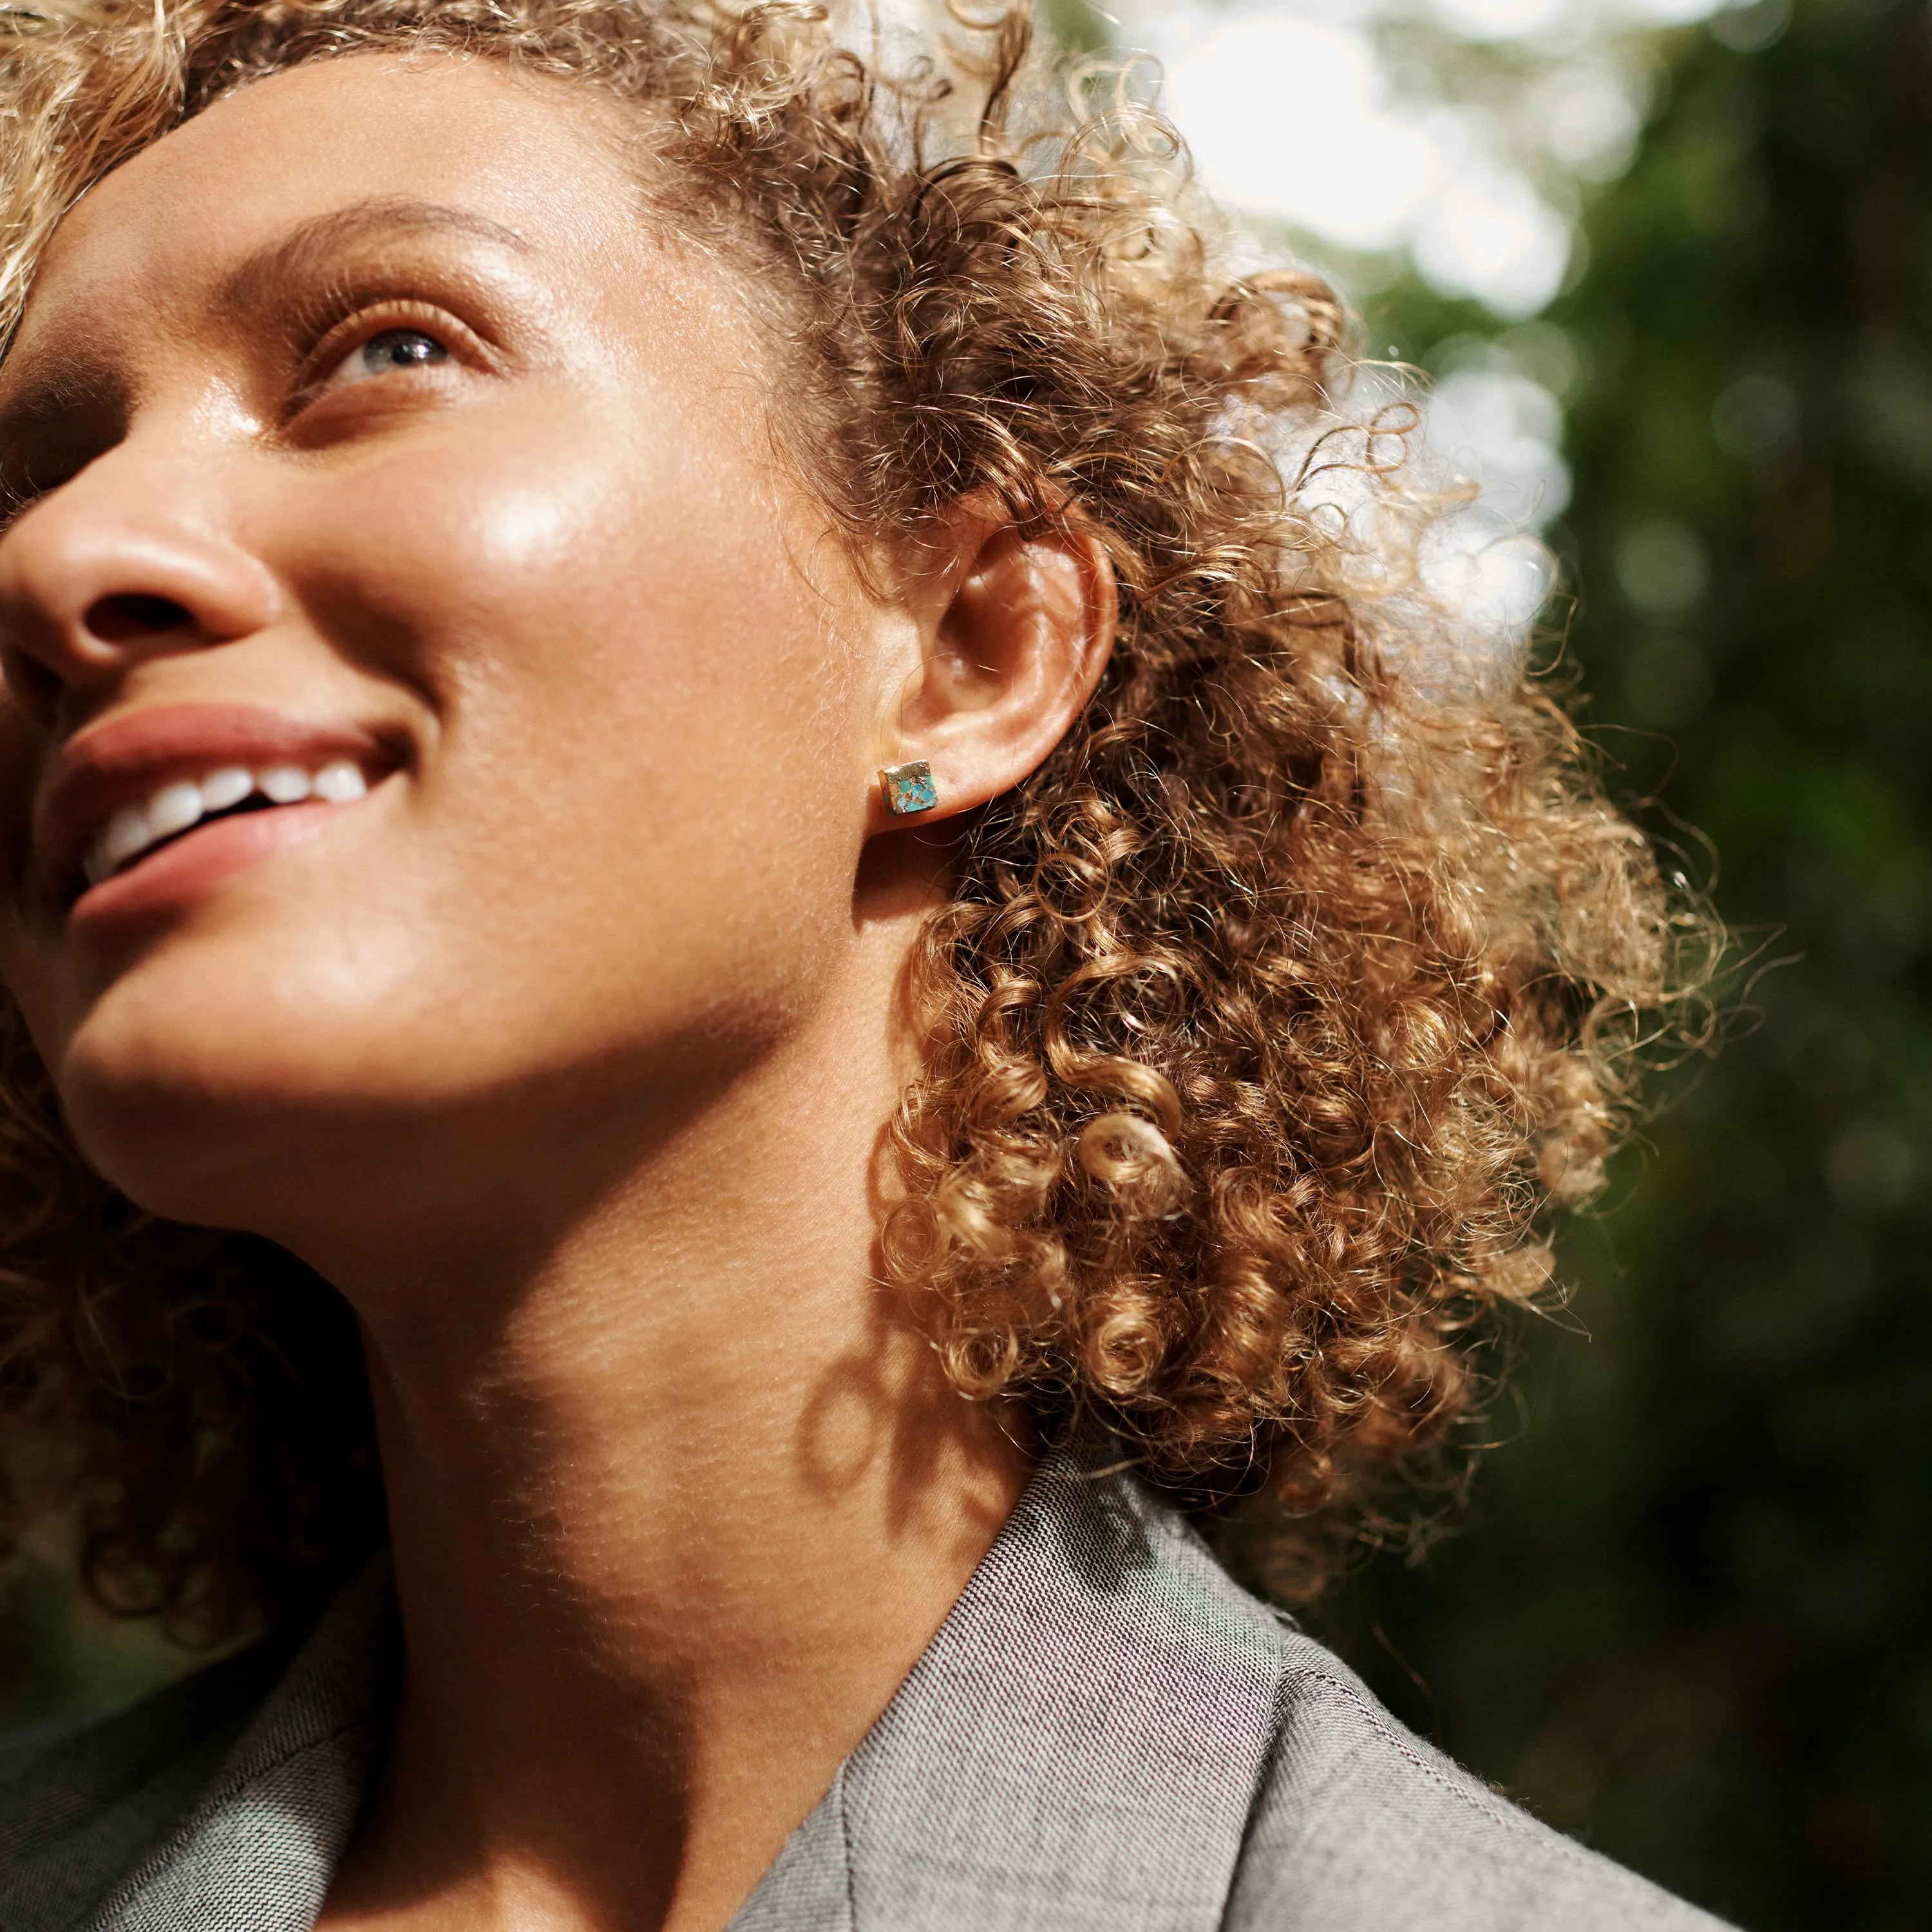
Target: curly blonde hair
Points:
(1266, 1017)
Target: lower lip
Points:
(172, 879)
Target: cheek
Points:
(640, 799)
(581, 592)
(624, 849)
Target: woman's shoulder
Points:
(1347, 1818)
(1109, 1733)
(1358, 1822)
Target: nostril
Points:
(114, 620)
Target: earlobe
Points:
(1014, 648)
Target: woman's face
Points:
(403, 461)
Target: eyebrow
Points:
(310, 250)
(56, 382)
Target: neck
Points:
(675, 1505)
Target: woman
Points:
(750, 787)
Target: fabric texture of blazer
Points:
(1106, 1735)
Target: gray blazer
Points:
(1106, 1735)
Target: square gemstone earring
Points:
(909, 789)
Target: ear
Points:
(1014, 631)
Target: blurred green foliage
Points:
(59, 1658)
(1692, 1617)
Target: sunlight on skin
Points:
(565, 1053)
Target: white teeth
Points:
(174, 808)
(285, 784)
(341, 783)
(178, 806)
(127, 834)
(226, 787)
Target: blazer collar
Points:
(1078, 1749)
(256, 1850)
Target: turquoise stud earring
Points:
(909, 788)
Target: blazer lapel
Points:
(257, 1851)
(1078, 1748)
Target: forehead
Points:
(537, 159)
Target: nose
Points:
(121, 565)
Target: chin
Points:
(184, 1150)
(205, 1109)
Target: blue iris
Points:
(401, 348)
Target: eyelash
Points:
(355, 331)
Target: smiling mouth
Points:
(173, 811)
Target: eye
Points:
(413, 353)
(394, 350)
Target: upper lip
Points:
(128, 758)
